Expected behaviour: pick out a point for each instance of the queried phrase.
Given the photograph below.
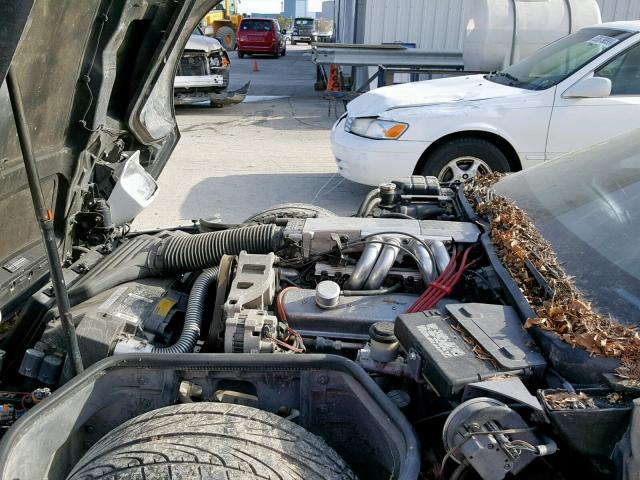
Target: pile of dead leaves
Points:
(566, 312)
(569, 401)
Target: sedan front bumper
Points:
(371, 162)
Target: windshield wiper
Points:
(506, 75)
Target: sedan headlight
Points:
(375, 128)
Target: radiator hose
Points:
(195, 311)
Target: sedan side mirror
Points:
(592, 87)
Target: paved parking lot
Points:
(241, 159)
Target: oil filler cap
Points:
(327, 294)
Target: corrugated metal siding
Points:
(344, 20)
(619, 10)
(430, 24)
(439, 24)
(349, 20)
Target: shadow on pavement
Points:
(236, 197)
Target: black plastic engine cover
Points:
(466, 343)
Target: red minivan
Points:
(261, 35)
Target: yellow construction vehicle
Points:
(222, 23)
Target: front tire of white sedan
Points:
(462, 159)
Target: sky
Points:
(272, 6)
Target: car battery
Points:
(466, 343)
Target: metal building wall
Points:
(349, 20)
(439, 24)
(619, 10)
(430, 24)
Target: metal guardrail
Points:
(388, 59)
(387, 55)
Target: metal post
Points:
(45, 220)
(381, 76)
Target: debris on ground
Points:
(567, 312)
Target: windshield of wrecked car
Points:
(587, 205)
(303, 22)
(256, 25)
(555, 62)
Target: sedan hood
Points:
(429, 92)
(94, 90)
(203, 43)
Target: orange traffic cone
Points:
(255, 66)
(333, 84)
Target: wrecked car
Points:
(442, 331)
(203, 72)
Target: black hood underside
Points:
(96, 78)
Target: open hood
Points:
(96, 78)
(428, 92)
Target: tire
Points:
(290, 210)
(240, 54)
(227, 37)
(293, 42)
(210, 440)
(277, 54)
(284, 51)
(469, 154)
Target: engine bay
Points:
(406, 289)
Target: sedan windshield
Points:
(555, 62)
(587, 205)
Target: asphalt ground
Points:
(241, 159)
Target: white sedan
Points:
(577, 91)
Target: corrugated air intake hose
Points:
(188, 253)
(149, 256)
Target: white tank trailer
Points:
(502, 32)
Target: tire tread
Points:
(210, 441)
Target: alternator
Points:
(250, 331)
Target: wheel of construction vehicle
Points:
(227, 37)
(290, 210)
(210, 440)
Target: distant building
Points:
(296, 8)
(328, 7)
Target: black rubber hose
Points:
(195, 311)
(190, 253)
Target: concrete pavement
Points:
(241, 159)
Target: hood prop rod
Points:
(45, 219)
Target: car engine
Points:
(405, 289)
